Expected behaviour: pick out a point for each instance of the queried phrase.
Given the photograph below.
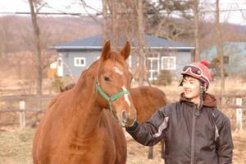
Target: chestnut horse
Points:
(77, 128)
(147, 100)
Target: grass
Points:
(16, 146)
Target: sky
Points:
(236, 15)
(67, 6)
(234, 11)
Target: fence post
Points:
(22, 118)
(239, 114)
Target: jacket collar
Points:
(209, 100)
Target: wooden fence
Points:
(27, 109)
(23, 110)
(236, 104)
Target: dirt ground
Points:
(16, 146)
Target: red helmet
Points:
(198, 70)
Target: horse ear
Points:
(106, 50)
(125, 52)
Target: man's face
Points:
(191, 88)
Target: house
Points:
(162, 54)
(235, 55)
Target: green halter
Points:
(110, 99)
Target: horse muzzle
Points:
(127, 119)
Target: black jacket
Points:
(191, 136)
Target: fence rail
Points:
(26, 104)
(23, 109)
(22, 115)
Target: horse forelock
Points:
(116, 56)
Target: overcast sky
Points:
(236, 8)
(52, 6)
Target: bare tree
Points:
(161, 18)
(34, 8)
(118, 21)
(110, 12)
(196, 30)
(219, 46)
(243, 12)
(105, 17)
(3, 36)
(141, 54)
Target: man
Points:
(195, 131)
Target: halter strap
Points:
(112, 98)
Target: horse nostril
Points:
(125, 116)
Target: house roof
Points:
(96, 42)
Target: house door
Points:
(153, 67)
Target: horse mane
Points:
(87, 75)
(91, 70)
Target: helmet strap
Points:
(202, 96)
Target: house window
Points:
(154, 67)
(168, 63)
(79, 62)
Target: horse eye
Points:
(106, 78)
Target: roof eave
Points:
(77, 47)
(99, 48)
(173, 48)
(182, 48)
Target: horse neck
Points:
(89, 113)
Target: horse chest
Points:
(91, 150)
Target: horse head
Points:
(113, 84)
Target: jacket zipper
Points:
(193, 136)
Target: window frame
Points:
(79, 63)
(171, 62)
